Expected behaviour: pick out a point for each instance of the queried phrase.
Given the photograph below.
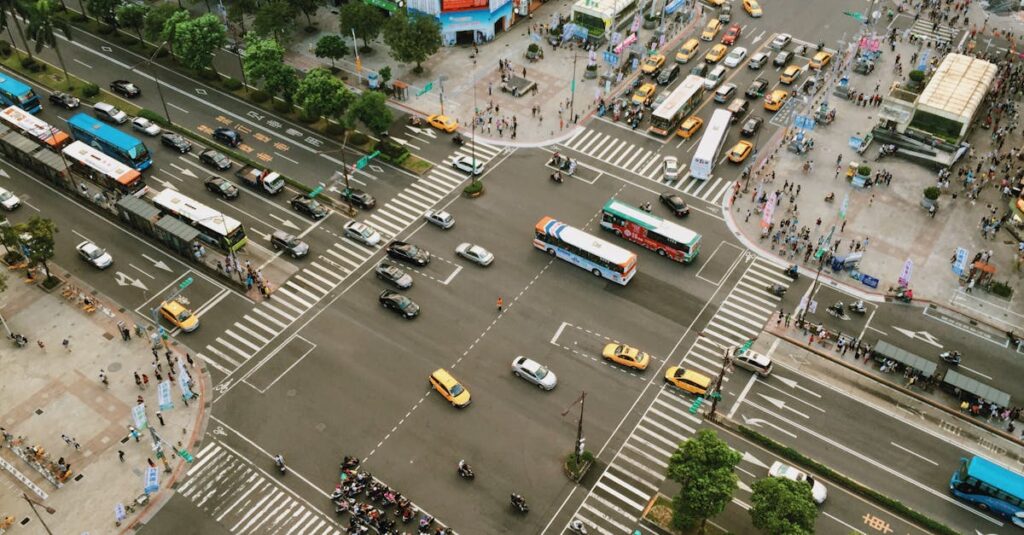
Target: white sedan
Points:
(92, 254)
(362, 233)
(440, 218)
(474, 253)
(468, 165)
(145, 126)
(735, 57)
(9, 200)
(818, 491)
(532, 371)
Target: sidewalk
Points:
(52, 391)
(885, 221)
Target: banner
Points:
(960, 264)
(769, 210)
(462, 5)
(843, 207)
(139, 416)
(163, 396)
(152, 480)
(904, 279)
(186, 392)
(119, 513)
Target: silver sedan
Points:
(532, 371)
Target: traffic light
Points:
(695, 406)
(580, 446)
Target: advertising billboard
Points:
(462, 5)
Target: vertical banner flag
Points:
(119, 513)
(769, 210)
(163, 396)
(904, 279)
(139, 416)
(186, 392)
(152, 480)
(844, 206)
(961, 261)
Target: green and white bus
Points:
(664, 237)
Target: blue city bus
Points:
(990, 487)
(15, 93)
(110, 141)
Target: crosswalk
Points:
(931, 32)
(645, 163)
(244, 499)
(635, 473)
(291, 299)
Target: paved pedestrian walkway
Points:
(67, 443)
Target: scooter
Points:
(279, 461)
(793, 272)
(777, 290)
(886, 150)
(557, 177)
(831, 197)
(858, 307)
(465, 471)
(415, 121)
(519, 503)
(577, 526)
(836, 309)
(902, 294)
(646, 206)
(18, 339)
(458, 140)
(951, 357)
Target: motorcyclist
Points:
(279, 460)
(458, 138)
(556, 176)
(518, 500)
(464, 468)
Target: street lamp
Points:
(349, 209)
(49, 510)
(156, 79)
(472, 123)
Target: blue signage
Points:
(674, 5)
(152, 480)
(869, 281)
(961, 261)
(611, 58)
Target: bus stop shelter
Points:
(966, 384)
(889, 351)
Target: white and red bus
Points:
(681, 103)
(588, 252)
(103, 170)
(34, 128)
(665, 237)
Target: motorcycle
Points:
(793, 272)
(465, 471)
(577, 526)
(886, 150)
(458, 140)
(415, 121)
(519, 503)
(857, 307)
(951, 357)
(836, 309)
(18, 339)
(406, 514)
(902, 294)
(776, 289)
(350, 463)
(646, 206)
(557, 177)
(831, 197)
(279, 462)
(388, 499)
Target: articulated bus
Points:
(705, 157)
(988, 486)
(103, 170)
(681, 103)
(216, 229)
(15, 93)
(110, 141)
(34, 128)
(664, 237)
(593, 254)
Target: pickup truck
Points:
(264, 180)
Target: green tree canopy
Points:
(39, 240)
(782, 507)
(274, 19)
(170, 29)
(13, 9)
(331, 46)
(103, 10)
(307, 8)
(156, 18)
(321, 94)
(703, 465)
(239, 9)
(372, 109)
(412, 39)
(42, 25)
(198, 39)
(264, 64)
(366, 20)
(132, 16)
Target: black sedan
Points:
(359, 198)
(308, 207)
(176, 142)
(675, 203)
(751, 126)
(64, 100)
(125, 88)
(221, 187)
(215, 159)
(757, 88)
(399, 303)
(227, 136)
(407, 252)
(389, 272)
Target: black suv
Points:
(309, 207)
(176, 142)
(125, 88)
(359, 198)
(294, 246)
(227, 136)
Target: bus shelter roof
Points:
(906, 358)
(977, 388)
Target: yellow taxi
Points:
(752, 8)
(711, 30)
(443, 123)
(740, 151)
(790, 74)
(449, 387)
(644, 94)
(820, 60)
(775, 100)
(716, 3)
(179, 316)
(688, 380)
(627, 356)
(690, 127)
(652, 64)
(687, 51)
(716, 53)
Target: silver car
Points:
(145, 126)
(474, 253)
(9, 200)
(532, 371)
(362, 233)
(440, 218)
(386, 271)
(92, 254)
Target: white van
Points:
(755, 362)
(714, 77)
(106, 112)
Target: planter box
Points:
(582, 471)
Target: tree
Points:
(331, 46)
(15, 9)
(169, 32)
(238, 10)
(156, 18)
(703, 465)
(307, 8)
(362, 18)
(198, 39)
(132, 16)
(321, 94)
(103, 10)
(782, 507)
(372, 109)
(40, 240)
(412, 39)
(264, 63)
(42, 22)
(9, 239)
(273, 19)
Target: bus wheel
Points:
(596, 272)
(551, 252)
(661, 252)
(618, 233)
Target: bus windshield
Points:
(664, 237)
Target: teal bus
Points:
(110, 141)
(990, 487)
(16, 93)
(664, 237)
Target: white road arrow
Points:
(285, 222)
(743, 486)
(184, 171)
(757, 422)
(126, 280)
(923, 336)
(4, 174)
(158, 263)
(792, 384)
(753, 460)
(782, 405)
(753, 422)
(167, 185)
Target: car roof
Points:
(172, 306)
(697, 377)
(444, 377)
(86, 245)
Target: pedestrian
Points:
(139, 399)
(67, 344)
(150, 462)
(159, 377)
(145, 381)
(787, 319)
(120, 455)
(77, 446)
(501, 304)
(41, 345)
(778, 321)
(155, 354)
(138, 380)
(970, 286)
(843, 226)
(133, 432)
(188, 358)
(67, 439)
(160, 416)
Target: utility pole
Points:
(49, 510)
(472, 126)
(572, 89)
(578, 447)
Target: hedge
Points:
(154, 116)
(870, 494)
(259, 96)
(232, 85)
(281, 106)
(358, 138)
(334, 129)
(5, 48)
(90, 90)
(473, 188)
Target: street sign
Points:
(185, 283)
(744, 348)
(426, 89)
(611, 58)
(960, 262)
(184, 454)
(908, 267)
(365, 160)
(152, 481)
(316, 191)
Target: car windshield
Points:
(292, 241)
(184, 315)
(412, 250)
(94, 253)
(457, 389)
(403, 302)
(391, 271)
(5, 195)
(541, 372)
(478, 251)
(224, 186)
